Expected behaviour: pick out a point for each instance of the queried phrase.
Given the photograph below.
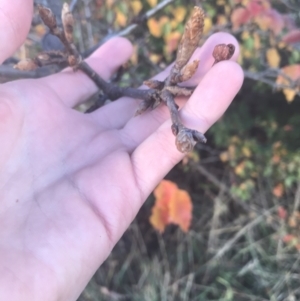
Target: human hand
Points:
(71, 183)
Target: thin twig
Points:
(73, 4)
(218, 202)
(114, 92)
(230, 243)
(297, 199)
(265, 78)
(222, 187)
(129, 29)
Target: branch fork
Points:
(159, 92)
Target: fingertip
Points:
(205, 55)
(15, 20)
(113, 53)
(213, 95)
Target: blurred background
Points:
(229, 229)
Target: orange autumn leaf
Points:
(278, 190)
(156, 26)
(292, 72)
(172, 41)
(240, 169)
(172, 206)
(121, 18)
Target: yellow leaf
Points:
(174, 24)
(292, 222)
(281, 45)
(152, 3)
(245, 2)
(289, 94)
(121, 19)
(224, 156)
(154, 28)
(257, 44)
(109, 3)
(273, 57)
(246, 53)
(232, 151)
(245, 35)
(40, 30)
(207, 25)
(179, 13)
(240, 169)
(172, 205)
(163, 20)
(155, 58)
(227, 9)
(222, 20)
(246, 152)
(134, 56)
(136, 6)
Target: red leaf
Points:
(282, 213)
(289, 238)
(257, 7)
(292, 37)
(240, 16)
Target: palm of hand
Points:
(70, 183)
(69, 174)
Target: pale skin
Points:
(71, 183)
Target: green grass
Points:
(230, 253)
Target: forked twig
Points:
(159, 91)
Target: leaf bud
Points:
(47, 16)
(223, 52)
